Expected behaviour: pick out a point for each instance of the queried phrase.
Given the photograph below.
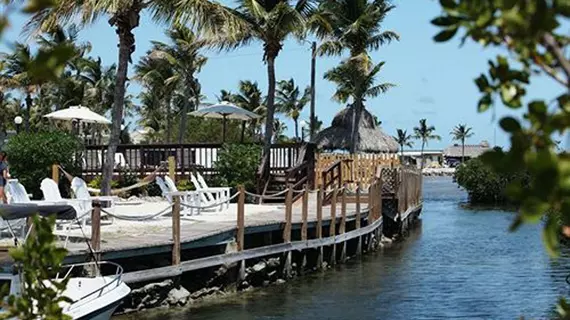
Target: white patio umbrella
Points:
(225, 111)
(79, 113)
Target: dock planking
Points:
(156, 236)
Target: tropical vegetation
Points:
(530, 40)
(461, 133)
(404, 140)
(485, 186)
(425, 133)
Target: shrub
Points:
(31, 156)
(484, 185)
(237, 164)
(185, 185)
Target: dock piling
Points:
(241, 229)
(358, 217)
(176, 230)
(172, 168)
(320, 224)
(287, 231)
(55, 172)
(332, 228)
(342, 228)
(96, 233)
(305, 217)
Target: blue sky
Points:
(434, 81)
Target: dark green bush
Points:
(237, 164)
(31, 156)
(484, 185)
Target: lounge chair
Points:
(16, 194)
(81, 192)
(188, 201)
(211, 195)
(198, 198)
(51, 194)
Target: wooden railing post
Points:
(55, 173)
(304, 225)
(358, 218)
(287, 230)
(332, 227)
(176, 230)
(371, 195)
(96, 233)
(172, 168)
(241, 229)
(342, 227)
(320, 195)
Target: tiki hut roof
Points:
(370, 137)
(471, 150)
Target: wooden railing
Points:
(336, 175)
(144, 158)
(361, 168)
(409, 188)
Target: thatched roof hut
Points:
(370, 138)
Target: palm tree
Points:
(249, 97)
(404, 140)
(279, 128)
(291, 102)
(460, 133)
(356, 83)
(425, 133)
(155, 75)
(184, 58)
(17, 64)
(269, 22)
(356, 26)
(124, 16)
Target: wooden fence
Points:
(409, 188)
(355, 168)
(144, 158)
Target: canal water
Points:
(460, 263)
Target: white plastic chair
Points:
(82, 207)
(81, 192)
(16, 193)
(189, 198)
(219, 195)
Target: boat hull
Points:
(102, 314)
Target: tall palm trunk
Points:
(357, 114)
(422, 156)
(184, 116)
(265, 165)
(125, 23)
(28, 111)
(462, 150)
(401, 154)
(242, 131)
(168, 122)
(296, 121)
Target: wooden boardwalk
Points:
(124, 239)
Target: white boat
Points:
(93, 298)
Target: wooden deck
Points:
(126, 239)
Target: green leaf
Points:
(508, 95)
(34, 6)
(550, 236)
(445, 35)
(484, 103)
(482, 83)
(448, 4)
(445, 21)
(510, 124)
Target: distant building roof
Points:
(417, 153)
(471, 150)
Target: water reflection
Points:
(459, 264)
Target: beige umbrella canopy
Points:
(370, 138)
